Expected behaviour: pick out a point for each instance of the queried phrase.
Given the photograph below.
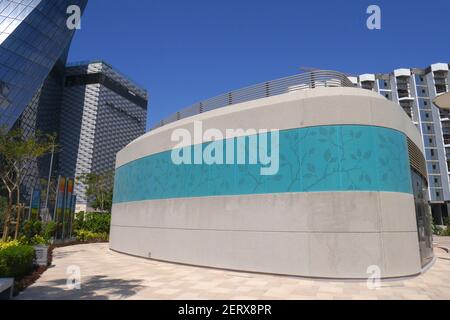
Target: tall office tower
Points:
(415, 89)
(34, 41)
(102, 112)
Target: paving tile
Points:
(110, 275)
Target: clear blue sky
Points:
(186, 51)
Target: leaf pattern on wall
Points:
(317, 159)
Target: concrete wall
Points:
(331, 234)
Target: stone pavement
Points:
(110, 275)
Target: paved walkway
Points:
(110, 275)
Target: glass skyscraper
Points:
(34, 43)
(34, 39)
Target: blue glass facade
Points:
(33, 38)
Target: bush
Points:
(16, 260)
(447, 221)
(88, 236)
(49, 230)
(93, 222)
(9, 244)
(445, 233)
(31, 228)
(436, 230)
(78, 221)
(34, 241)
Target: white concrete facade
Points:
(317, 234)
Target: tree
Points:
(99, 189)
(17, 152)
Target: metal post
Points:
(31, 203)
(55, 213)
(66, 190)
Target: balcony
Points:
(402, 86)
(440, 81)
(447, 141)
(368, 85)
(441, 89)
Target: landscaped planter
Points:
(41, 255)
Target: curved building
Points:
(344, 190)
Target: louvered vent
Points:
(417, 160)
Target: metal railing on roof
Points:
(309, 80)
(120, 73)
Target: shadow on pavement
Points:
(94, 288)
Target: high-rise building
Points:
(94, 110)
(102, 112)
(34, 43)
(415, 90)
(34, 40)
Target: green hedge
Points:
(88, 236)
(16, 261)
(93, 222)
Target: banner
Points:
(74, 203)
(59, 208)
(67, 216)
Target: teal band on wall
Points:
(316, 159)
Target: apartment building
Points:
(415, 90)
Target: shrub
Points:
(9, 244)
(445, 233)
(31, 228)
(49, 230)
(16, 261)
(33, 241)
(447, 221)
(78, 222)
(94, 222)
(435, 229)
(88, 236)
